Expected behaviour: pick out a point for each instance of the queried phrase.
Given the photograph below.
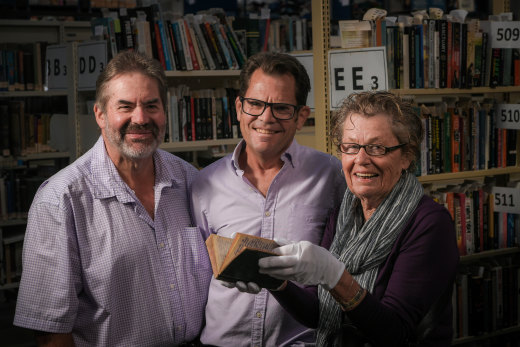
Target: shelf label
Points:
(507, 199)
(307, 61)
(356, 70)
(92, 59)
(57, 66)
(505, 34)
(508, 116)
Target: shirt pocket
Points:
(307, 222)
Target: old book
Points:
(237, 259)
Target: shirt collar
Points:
(289, 156)
(108, 183)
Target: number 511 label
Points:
(507, 199)
(508, 116)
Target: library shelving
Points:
(486, 289)
(322, 29)
(34, 121)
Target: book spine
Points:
(160, 51)
(185, 45)
(180, 48)
(193, 54)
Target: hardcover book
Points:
(237, 259)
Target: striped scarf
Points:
(362, 247)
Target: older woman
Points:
(391, 265)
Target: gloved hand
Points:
(305, 263)
(249, 287)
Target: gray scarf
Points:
(362, 247)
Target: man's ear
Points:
(303, 114)
(100, 117)
(238, 108)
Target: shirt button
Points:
(259, 314)
(161, 245)
(267, 213)
(172, 286)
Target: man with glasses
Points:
(270, 186)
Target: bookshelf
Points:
(507, 94)
(26, 161)
(466, 259)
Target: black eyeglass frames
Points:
(255, 107)
(373, 150)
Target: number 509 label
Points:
(505, 34)
(507, 199)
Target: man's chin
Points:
(139, 150)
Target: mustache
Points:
(140, 127)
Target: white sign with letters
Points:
(92, 59)
(508, 116)
(506, 199)
(57, 66)
(505, 34)
(356, 70)
(307, 61)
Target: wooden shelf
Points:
(189, 146)
(468, 174)
(33, 93)
(489, 254)
(485, 336)
(450, 91)
(43, 23)
(46, 155)
(12, 222)
(10, 286)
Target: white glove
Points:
(305, 263)
(249, 287)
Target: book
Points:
(237, 259)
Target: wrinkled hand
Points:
(305, 263)
(249, 287)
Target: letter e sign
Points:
(356, 70)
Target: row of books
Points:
(19, 182)
(11, 262)
(486, 298)
(192, 42)
(436, 50)
(206, 114)
(25, 125)
(478, 226)
(285, 34)
(462, 137)
(22, 66)
(16, 194)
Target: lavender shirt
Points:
(96, 264)
(301, 197)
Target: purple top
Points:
(97, 265)
(421, 265)
(300, 199)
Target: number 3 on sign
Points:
(508, 116)
(507, 199)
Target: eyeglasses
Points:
(373, 150)
(254, 107)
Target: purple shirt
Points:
(97, 265)
(420, 266)
(307, 189)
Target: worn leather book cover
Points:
(237, 259)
